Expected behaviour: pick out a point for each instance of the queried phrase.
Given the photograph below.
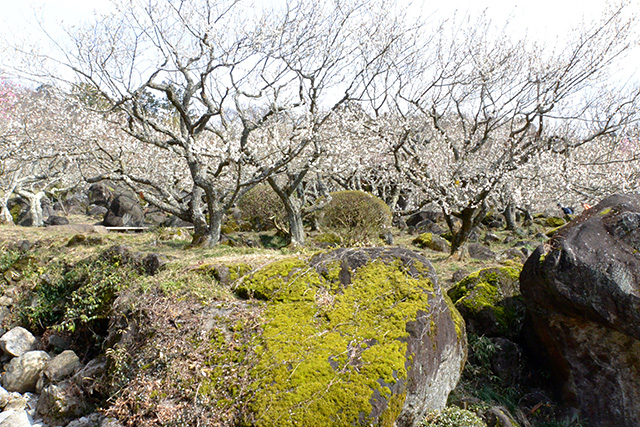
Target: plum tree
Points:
(473, 113)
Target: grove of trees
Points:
(193, 103)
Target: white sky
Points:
(547, 20)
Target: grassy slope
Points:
(182, 291)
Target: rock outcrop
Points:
(124, 211)
(99, 194)
(354, 337)
(582, 291)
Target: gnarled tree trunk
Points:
(471, 218)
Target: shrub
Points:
(358, 217)
(452, 416)
(262, 208)
(68, 297)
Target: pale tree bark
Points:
(5, 214)
(35, 205)
(510, 216)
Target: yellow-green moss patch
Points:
(290, 279)
(490, 299)
(322, 365)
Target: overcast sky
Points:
(546, 20)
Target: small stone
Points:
(110, 422)
(16, 402)
(22, 372)
(61, 366)
(14, 418)
(17, 342)
(91, 420)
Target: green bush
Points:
(356, 216)
(452, 416)
(70, 297)
(262, 208)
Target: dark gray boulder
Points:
(56, 220)
(96, 210)
(479, 251)
(582, 290)
(99, 194)
(124, 211)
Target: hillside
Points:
(137, 306)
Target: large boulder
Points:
(61, 402)
(489, 300)
(124, 211)
(99, 194)
(15, 418)
(582, 290)
(17, 342)
(22, 373)
(354, 337)
(433, 242)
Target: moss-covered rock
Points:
(555, 222)
(490, 301)
(352, 337)
(226, 273)
(432, 241)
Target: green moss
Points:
(332, 272)
(555, 221)
(229, 227)
(605, 211)
(553, 231)
(485, 295)
(329, 239)
(227, 273)
(15, 212)
(321, 366)
(487, 289)
(423, 240)
(452, 416)
(284, 280)
(458, 321)
(237, 271)
(394, 407)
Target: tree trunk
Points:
(510, 216)
(293, 209)
(470, 217)
(5, 214)
(35, 207)
(296, 226)
(209, 235)
(528, 219)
